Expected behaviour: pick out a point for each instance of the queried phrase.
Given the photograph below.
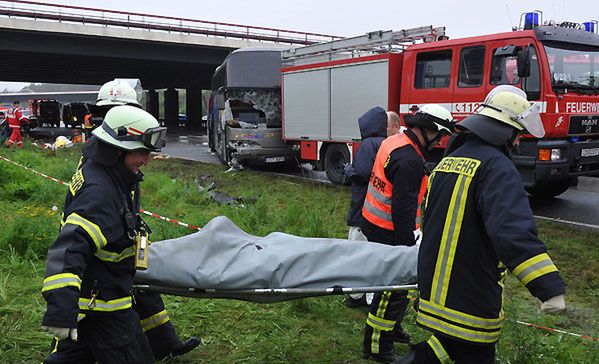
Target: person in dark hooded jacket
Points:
(375, 125)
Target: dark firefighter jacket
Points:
(93, 254)
(405, 169)
(373, 129)
(477, 221)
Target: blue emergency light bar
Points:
(531, 20)
(591, 26)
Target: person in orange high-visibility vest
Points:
(15, 118)
(397, 186)
(88, 126)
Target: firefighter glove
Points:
(554, 304)
(61, 332)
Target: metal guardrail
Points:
(114, 18)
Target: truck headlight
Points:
(553, 154)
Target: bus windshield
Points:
(573, 70)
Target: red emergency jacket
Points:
(15, 117)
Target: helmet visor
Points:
(530, 119)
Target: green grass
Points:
(315, 330)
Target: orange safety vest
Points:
(377, 205)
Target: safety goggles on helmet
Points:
(153, 138)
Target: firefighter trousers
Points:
(386, 312)
(113, 338)
(445, 350)
(155, 322)
(15, 137)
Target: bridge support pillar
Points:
(193, 105)
(152, 104)
(171, 107)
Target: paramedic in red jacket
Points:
(15, 118)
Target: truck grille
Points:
(583, 125)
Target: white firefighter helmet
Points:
(509, 105)
(432, 116)
(117, 92)
(504, 112)
(130, 128)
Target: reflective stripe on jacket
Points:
(377, 204)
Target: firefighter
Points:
(15, 118)
(396, 186)
(375, 125)
(477, 225)
(155, 321)
(90, 265)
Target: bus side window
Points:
(472, 64)
(433, 70)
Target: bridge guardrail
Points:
(114, 18)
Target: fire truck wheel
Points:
(337, 156)
(549, 189)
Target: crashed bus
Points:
(244, 119)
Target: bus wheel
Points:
(549, 189)
(337, 156)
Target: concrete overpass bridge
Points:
(53, 43)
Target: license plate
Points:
(274, 159)
(591, 152)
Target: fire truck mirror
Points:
(524, 62)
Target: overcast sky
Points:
(352, 17)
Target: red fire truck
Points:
(326, 87)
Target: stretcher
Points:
(223, 261)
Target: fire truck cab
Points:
(558, 68)
(557, 65)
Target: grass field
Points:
(315, 330)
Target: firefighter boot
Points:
(181, 348)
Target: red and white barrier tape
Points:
(193, 227)
(167, 219)
(550, 329)
(34, 171)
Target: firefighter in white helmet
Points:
(155, 321)
(477, 225)
(390, 212)
(112, 93)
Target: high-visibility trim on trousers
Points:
(155, 320)
(439, 350)
(376, 333)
